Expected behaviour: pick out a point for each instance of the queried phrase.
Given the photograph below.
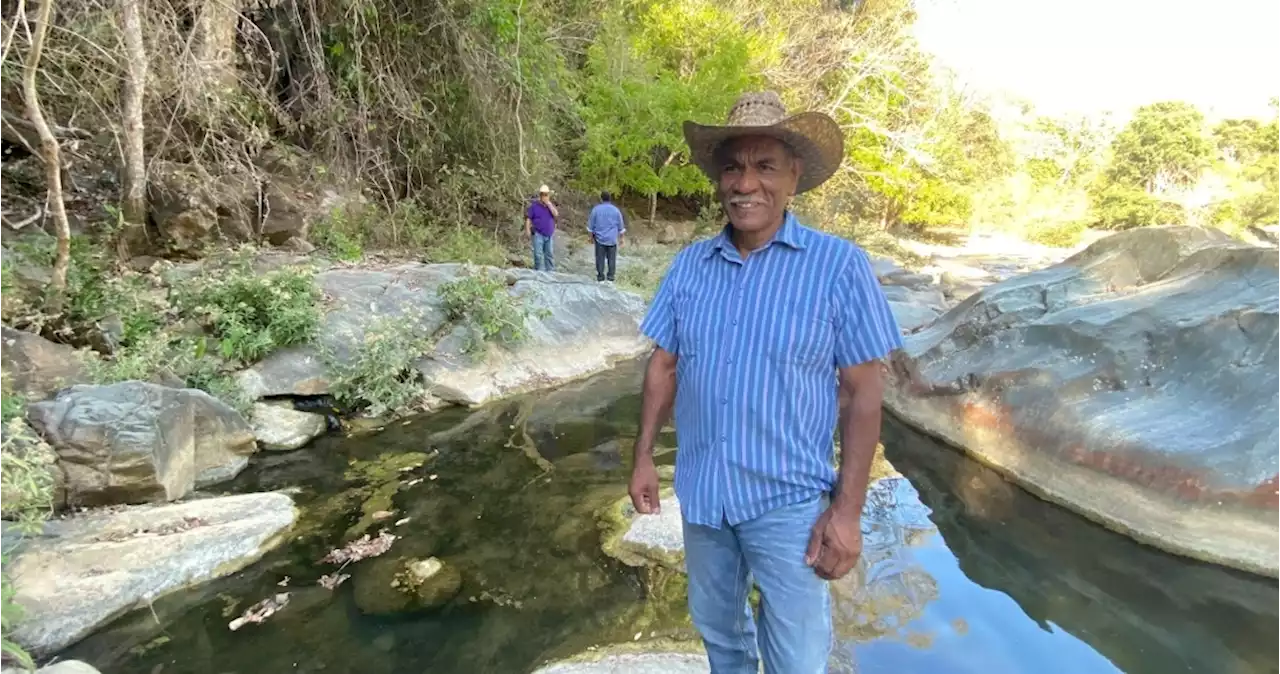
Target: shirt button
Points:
(724, 439)
(724, 401)
(735, 321)
(728, 361)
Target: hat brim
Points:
(815, 138)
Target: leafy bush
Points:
(340, 234)
(163, 357)
(380, 377)
(466, 244)
(251, 314)
(490, 313)
(26, 499)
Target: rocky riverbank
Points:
(1134, 382)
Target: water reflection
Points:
(1082, 593)
(961, 572)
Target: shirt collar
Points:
(788, 235)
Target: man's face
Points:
(544, 197)
(758, 176)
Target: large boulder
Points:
(387, 586)
(192, 208)
(135, 442)
(36, 367)
(578, 327)
(1135, 382)
(82, 572)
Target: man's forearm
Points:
(658, 398)
(859, 435)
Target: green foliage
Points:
(482, 303)
(655, 64)
(252, 314)
(1118, 206)
(26, 500)
(466, 244)
(97, 292)
(340, 235)
(380, 377)
(1163, 146)
(164, 357)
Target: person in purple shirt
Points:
(540, 227)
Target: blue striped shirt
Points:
(758, 342)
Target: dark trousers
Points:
(606, 255)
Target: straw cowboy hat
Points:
(814, 137)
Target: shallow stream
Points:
(962, 572)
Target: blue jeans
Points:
(544, 256)
(795, 607)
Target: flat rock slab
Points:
(643, 540)
(82, 572)
(578, 327)
(634, 663)
(1135, 382)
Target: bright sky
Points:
(1093, 55)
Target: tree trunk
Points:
(134, 206)
(653, 208)
(49, 153)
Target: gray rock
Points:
(644, 540)
(585, 328)
(63, 667)
(283, 428)
(636, 662)
(36, 367)
(191, 207)
(915, 307)
(135, 442)
(907, 279)
(84, 571)
(1135, 382)
(884, 267)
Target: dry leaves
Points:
(260, 611)
(359, 549)
(330, 581)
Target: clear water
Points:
(962, 572)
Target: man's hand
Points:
(644, 487)
(836, 542)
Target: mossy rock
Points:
(658, 541)
(399, 585)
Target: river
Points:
(962, 571)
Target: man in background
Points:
(605, 227)
(540, 227)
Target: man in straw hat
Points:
(754, 328)
(540, 226)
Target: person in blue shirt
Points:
(605, 226)
(768, 337)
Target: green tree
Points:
(655, 64)
(1163, 146)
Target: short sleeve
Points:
(659, 323)
(528, 211)
(865, 326)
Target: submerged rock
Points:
(659, 657)
(84, 571)
(135, 442)
(644, 540)
(282, 428)
(385, 586)
(1135, 382)
(578, 327)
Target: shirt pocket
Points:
(697, 325)
(807, 338)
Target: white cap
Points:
(544, 190)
